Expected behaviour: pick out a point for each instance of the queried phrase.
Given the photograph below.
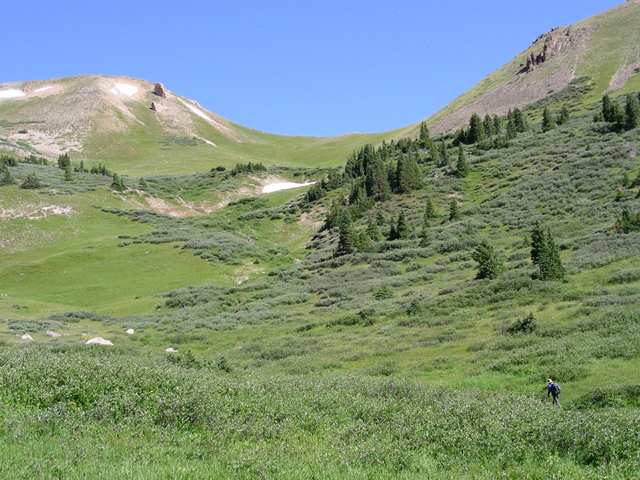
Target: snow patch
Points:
(275, 187)
(124, 89)
(43, 89)
(11, 93)
(197, 111)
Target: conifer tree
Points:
(547, 121)
(424, 137)
(118, 184)
(402, 229)
(81, 166)
(618, 117)
(476, 129)
(348, 238)
(490, 264)
(511, 126)
(489, 127)
(564, 115)
(545, 255)
(67, 174)
(373, 231)
(520, 121)
(497, 124)
(380, 220)
(462, 168)
(454, 210)
(429, 210)
(64, 161)
(408, 176)
(142, 184)
(31, 182)
(333, 215)
(364, 241)
(607, 109)
(5, 175)
(632, 112)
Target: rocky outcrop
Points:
(160, 91)
(154, 106)
(550, 42)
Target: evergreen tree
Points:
(81, 166)
(598, 118)
(564, 115)
(64, 161)
(5, 175)
(403, 231)
(618, 117)
(462, 168)
(520, 121)
(67, 174)
(334, 213)
(489, 127)
(425, 237)
(547, 121)
(424, 137)
(118, 184)
(607, 109)
(348, 238)
(497, 124)
(454, 210)
(31, 182)
(429, 210)
(380, 220)
(444, 152)
(545, 255)
(476, 129)
(632, 112)
(511, 126)
(364, 242)
(408, 176)
(143, 184)
(373, 231)
(490, 265)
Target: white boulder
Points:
(53, 334)
(131, 331)
(171, 350)
(27, 337)
(98, 341)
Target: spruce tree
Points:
(403, 231)
(520, 121)
(67, 174)
(64, 161)
(511, 126)
(476, 129)
(564, 115)
(118, 184)
(607, 109)
(424, 137)
(31, 182)
(490, 264)
(380, 220)
(408, 176)
(364, 241)
(143, 184)
(462, 168)
(497, 124)
(547, 121)
(454, 210)
(348, 237)
(545, 255)
(489, 127)
(429, 210)
(632, 112)
(373, 231)
(5, 175)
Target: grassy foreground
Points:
(111, 414)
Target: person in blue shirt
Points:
(553, 389)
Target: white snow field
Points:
(124, 89)
(43, 89)
(198, 112)
(11, 93)
(276, 187)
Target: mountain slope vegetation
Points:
(397, 319)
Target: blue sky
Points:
(288, 67)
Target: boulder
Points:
(171, 350)
(53, 334)
(131, 331)
(98, 341)
(27, 337)
(156, 107)
(160, 91)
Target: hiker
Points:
(554, 389)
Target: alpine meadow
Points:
(184, 297)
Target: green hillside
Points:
(399, 318)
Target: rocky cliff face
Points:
(550, 43)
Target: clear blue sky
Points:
(288, 67)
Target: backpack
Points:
(555, 389)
